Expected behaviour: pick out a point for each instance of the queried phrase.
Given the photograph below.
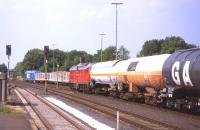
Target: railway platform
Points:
(15, 122)
(14, 117)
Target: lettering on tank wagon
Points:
(185, 74)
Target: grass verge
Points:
(8, 110)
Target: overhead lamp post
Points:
(116, 4)
(102, 34)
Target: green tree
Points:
(74, 57)
(18, 69)
(33, 60)
(123, 53)
(3, 68)
(160, 46)
(109, 53)
(151, 47)
(171, 44)
(59, 58)
(97, 56)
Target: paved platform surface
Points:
(14, 122)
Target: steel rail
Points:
(57, 110)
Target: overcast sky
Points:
(76, 24)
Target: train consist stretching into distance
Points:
(169, 80)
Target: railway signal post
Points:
(8, 53)
(46, 51)
(57, 76)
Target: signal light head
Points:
(46, 50)
(8, 50)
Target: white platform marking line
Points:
(87, 119)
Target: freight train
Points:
(169, 80)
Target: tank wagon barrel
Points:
(144, 71)
(142, 76)
(183, 68)
(181, 72)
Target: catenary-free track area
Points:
(140, 119)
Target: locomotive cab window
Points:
(132, 66)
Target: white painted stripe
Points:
(87, 119)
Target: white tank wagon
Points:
(104, 75)
(140, 76)
(104, 72)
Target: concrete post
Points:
(3, 87)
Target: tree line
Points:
(34, 58)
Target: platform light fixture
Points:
(116, 4)
(101, 34)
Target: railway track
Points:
(131, 118)
(52, 117)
